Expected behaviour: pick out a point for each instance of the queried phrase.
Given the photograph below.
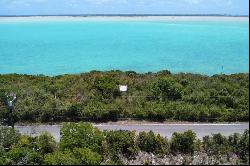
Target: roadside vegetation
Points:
(81, 144)
(95, 97)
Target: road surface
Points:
(166, 130)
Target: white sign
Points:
(123, 88)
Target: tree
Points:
(8, 137)
(73, 112)
(107, 86)
(24, 152)
(61, 158)
(86, 156)
(81, 135)
(151, 143)
(23, 156)
(167, 89)
(243, 147)
(216, 145)
(121, 143)
(46, 143)
(183, 142)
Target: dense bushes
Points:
(80, 136)
(220, 145)
(87, 157)
(217, 144)
(46, 144)
(151, 143)
(81, 144)
(166, 89)
(27, 150)
(95, 96)
(79, 156)
(8, 137)
(60, 158)
(183, 142)
(106, 87)
(121, 143)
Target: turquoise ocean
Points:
(70, 47)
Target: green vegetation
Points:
(220, 145)
(121, 143)
(95, 96)
(151, 143)
(183, 142)
(7, 138)
(80, 136)
(81, 144)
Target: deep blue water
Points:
(53, 48)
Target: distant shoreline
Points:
(124, 72)
(125, 18)
(126, 15)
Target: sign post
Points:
(11, 99)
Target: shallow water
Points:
(64, 47)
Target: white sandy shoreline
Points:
(124, 18)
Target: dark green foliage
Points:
(2, 150)
(23, 156)
(240, 145)
(88, 146)
(46, 144)
(121, 143)
(149, 142)
(2, 155)
(183, 142)
(158, 96)
(220, 145)
(87, 157)
(8, 137)
(76, 157)
(73, 112)
(24, 152)
(106, 87)
(216, 145)
(80, 135)
(166, 89)
(242, 148)
(61, 158)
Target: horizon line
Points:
(131, 15)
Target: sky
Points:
(54, 7)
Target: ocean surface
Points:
(65, 46)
